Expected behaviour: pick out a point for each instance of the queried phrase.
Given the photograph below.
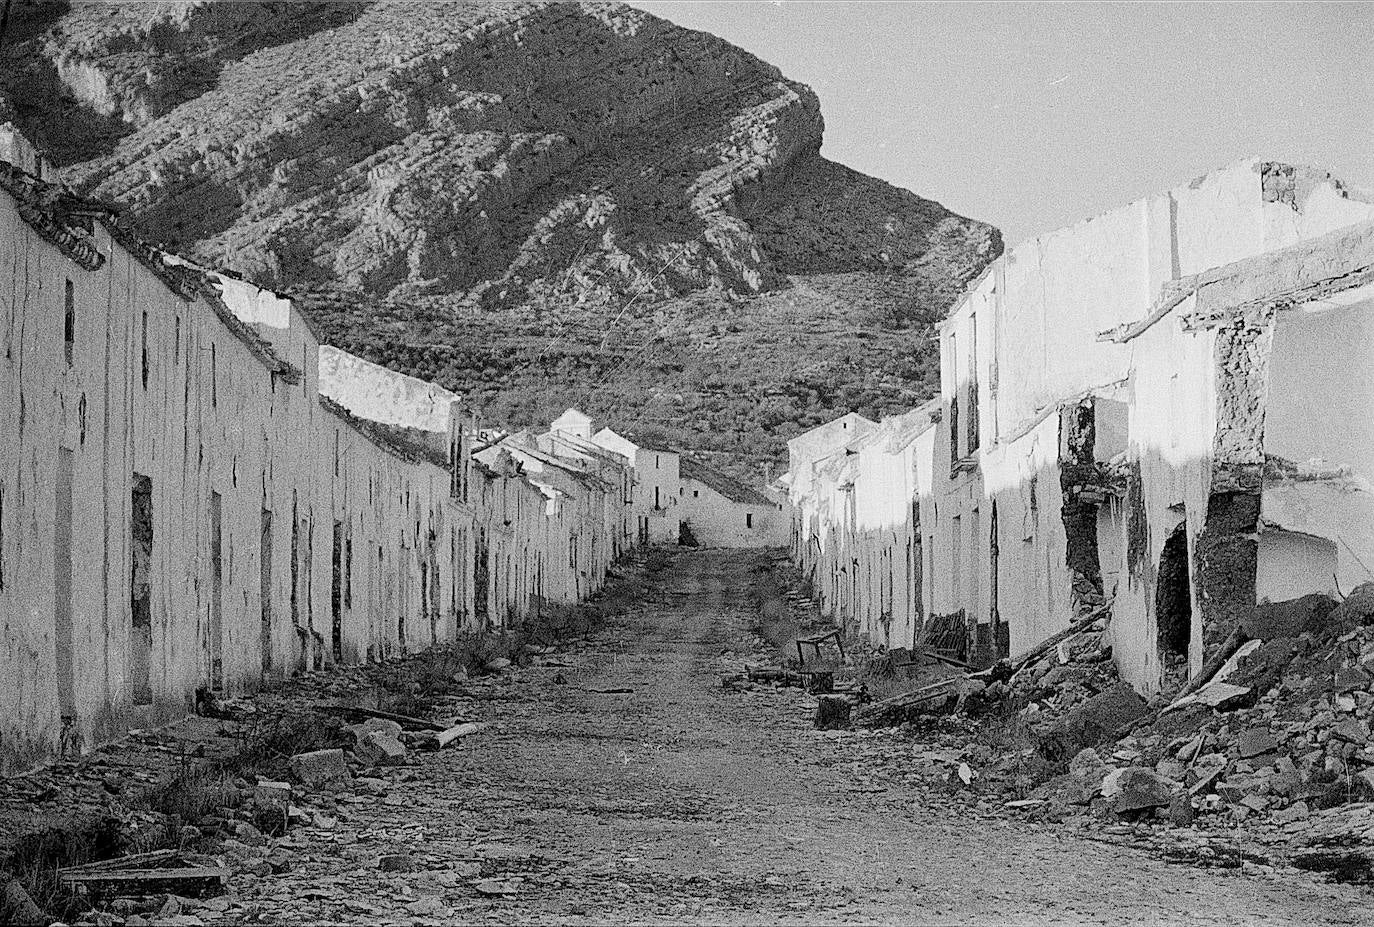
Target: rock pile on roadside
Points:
(1275, 753)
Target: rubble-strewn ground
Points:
(682, 800)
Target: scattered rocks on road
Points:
(320, 769)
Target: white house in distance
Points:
(719, 511)
(822, 440)
(657, 485)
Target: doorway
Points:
(1173, 598)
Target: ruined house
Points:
(658, 485)
(872, 496)
(196, 496)
(1165, 407)
(807, 453)
(718, 510)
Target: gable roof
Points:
(728, 487)
(571, 418)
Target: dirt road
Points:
(679, 802)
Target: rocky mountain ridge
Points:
(561, 192)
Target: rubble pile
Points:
(223, 790)
(1282, 731)
(1272, 758)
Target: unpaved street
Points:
(679, 801)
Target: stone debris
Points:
(1278, 745)
(379, 747)
(1220, 695)
(1136, 788)
(396, 862)
(320, 769)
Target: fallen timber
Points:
(959, 687)
(1005, 669)
(157, 872)
(442, 739)
(189, 882)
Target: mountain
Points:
(535, 204)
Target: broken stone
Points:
(384, 725)
(280, 861)
(1351, 731)
(1068, 789)
(1223, 696)
(493, 887)
(320, 768)
(1171, 769)
(396, 862)
(378, 747)
(1286, 779)
(1271, 620)
(428, 907)
(1355, 608)
(273, 792)
(1136, 788)
(1351, 678)
(1100, 717)
(1255, 741)
(1181, 812)
(1298, 811)
(371, 786)
(1190, 750)
(1086, 764)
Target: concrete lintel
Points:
(1309, 270)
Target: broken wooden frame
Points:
(158, 872)
(815, 641)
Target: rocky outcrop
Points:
(581, 161)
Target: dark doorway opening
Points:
(265, 590)
(336, 587)
(481, 580)
(1173, 596)
(215, 641)
(140, 591)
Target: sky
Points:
(1034, 116)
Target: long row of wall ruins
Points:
(196, 495)
(1168, 408)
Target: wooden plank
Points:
(1045, 646)
(1228, 647)
(191, 881)
(444, 738)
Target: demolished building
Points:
(1165, 408)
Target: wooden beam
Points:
(190, 882)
